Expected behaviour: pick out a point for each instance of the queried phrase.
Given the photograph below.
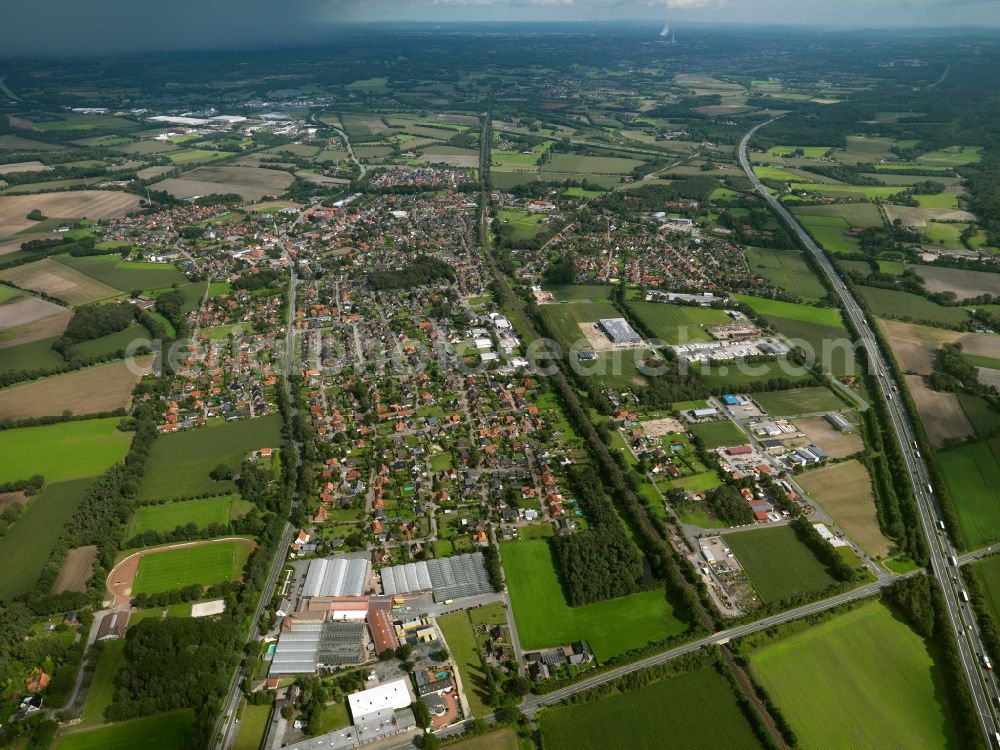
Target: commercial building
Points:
(837, 421)
(618, 330)
(387, 696)
(446, 578)
(310, 641)
(336, 576)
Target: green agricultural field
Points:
(987, 571)
(861, 679)
(168, 516)
(778, 174)
(544, 618)
(799, 401)
(953, 156)
(867, 192)
(788, 270)
(864, 149)
(946, 201)
(719, 434)
(35, 355)
(193, 155)
(66, 450)
(688, 709)
(185, 566)
(778, 564)
(985, 419)
(818, 329)
(808, 152)
(161, 732)
(29, 542)
(733, 378)
(972, 474)
(579, 164)
(179, 463)
(126, 275)
(65, 121)
(677, 324)
(576, 192)
(893, 303)
(829, 232)
(565, 320)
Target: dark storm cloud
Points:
(104, 26)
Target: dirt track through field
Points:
(122, 576)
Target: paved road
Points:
(7, 91)
(982, 682)
(227, 724)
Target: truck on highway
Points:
(930, 491)
(965, 595)
(953, 561)
(986, 662)
(941, 525)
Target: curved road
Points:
(982, 682)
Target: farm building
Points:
(113, 626)
(336, 576)
(705, 413)
(309, 641)
(618, 330)
(837, 421)
(446, 578)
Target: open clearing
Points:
(28, 544)
(168, 516)
(688, 708)
(972, 474)
(798, 401)
(76, 570)
(544, 618)
(845, 492)
(161, 732)
(861, 679)
(88, 391)
(67, 450)
(963, 283)
(90, 204)
(837, 444)
(179, 463)
(250, 182)
(24, 320)
(58, 280)
(940, 412)
(778, 564)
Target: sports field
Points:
(67, 450)
(168, 516)
(30, 540)
(689, 709)
(161, 732)
(786, 269)
(203, 564)
(718, 434)
(862, 679)
(972, 474)
(844, 491)
(798, 401)
(544, 618)
(179, 463)
(778, 564)
(677, 324)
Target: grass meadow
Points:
(692, 710)
(168, 516)
(718, 434)
(894, 303)
(860, 679)
(678, 323)
(778, 564)
(798, 401)
(544, 618)
(788, 270)
(65, 450)
(160, 732)
(179, 463)
(125, 275)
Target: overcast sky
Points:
(72, 26)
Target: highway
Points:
(982, 682)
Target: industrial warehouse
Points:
(446, 578)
